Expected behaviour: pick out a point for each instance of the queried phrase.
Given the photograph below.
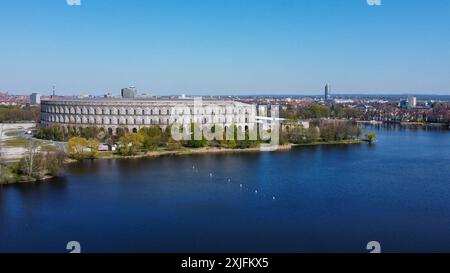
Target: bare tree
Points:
(3, 177)
(30, 157)
(1, 143)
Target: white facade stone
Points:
(112, 114)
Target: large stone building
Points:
(134, 114)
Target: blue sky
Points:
(225, 46)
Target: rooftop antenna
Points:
(54, 90)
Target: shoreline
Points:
(404, 123)
(29, 181)
(215, 150)
(189, 151)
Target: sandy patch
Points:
(12, 153)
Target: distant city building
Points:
(129, 93)
(344, 101)
(412, 102)
(83, 96)
(108, 95)
(143, 96)
(327, 92)
(35, 99)
(404, 104)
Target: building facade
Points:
(129, 92)
(412, 102)
(35, 99)
(133, 115)
(327, 92)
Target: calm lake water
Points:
(310, 199)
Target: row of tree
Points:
(150, 139)
(17, 114)
(318, 111)
(325, 131)
(59, 133)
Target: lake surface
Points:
(310, 199)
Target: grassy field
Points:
(12, 133)
(15, 143)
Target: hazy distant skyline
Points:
(225, 47)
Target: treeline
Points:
(84, 144)
(317, 111)
(17, 114)
(324, 131)
(59, 133)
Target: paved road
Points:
(59, 144)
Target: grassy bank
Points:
(215, 150)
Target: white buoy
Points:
(210, 175)
(273, 198)
(256, 191)
(229, 180)
(240, 185)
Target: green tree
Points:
(312, 134)
(152, 138)
(77, 148)
(371, 137)
(173, 145)
(16, 114)
(92, 147)
(194, 143)
(318, 111)
(132, 144)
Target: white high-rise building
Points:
(35, 99)
(327, 92)
(412, 101)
